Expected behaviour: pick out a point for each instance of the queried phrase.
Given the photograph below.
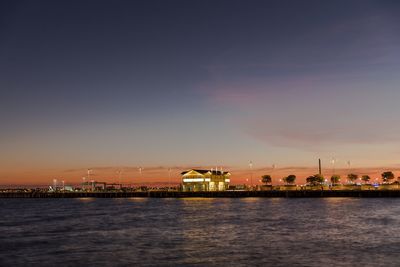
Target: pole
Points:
(119, 177)
(251, 173)
(169, 177)
(141, 175)
(83, 183)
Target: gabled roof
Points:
(205, 172)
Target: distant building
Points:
(205, 180)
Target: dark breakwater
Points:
(220, 194)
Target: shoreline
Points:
(213, 194)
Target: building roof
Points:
(204, 172)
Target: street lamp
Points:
(119, 177)
(333, 161)
(83, 182)
(141, 173)
(89, 171)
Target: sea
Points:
(200, 232)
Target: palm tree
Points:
(365, 178)
(387, 176)
(352, 177)
(335, 179)
(266, 179)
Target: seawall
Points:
(222, 194)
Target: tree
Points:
(335, 179)
(310, 180)
(319, 179)
(365, 178)
(290, 179)
(315, 179)
(387, 176)
(352, 177)
(266, 179)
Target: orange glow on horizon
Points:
(161, 175)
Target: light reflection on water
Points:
(85, 199)
(135, 199)
(200, 231)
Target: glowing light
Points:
(190, 180)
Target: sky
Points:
(118, 85)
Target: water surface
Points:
(200, 232)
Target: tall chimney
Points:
(319, 166)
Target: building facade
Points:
(205, 180)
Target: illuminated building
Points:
(205, 180)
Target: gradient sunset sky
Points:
(115, 85)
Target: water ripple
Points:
(200, 232)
